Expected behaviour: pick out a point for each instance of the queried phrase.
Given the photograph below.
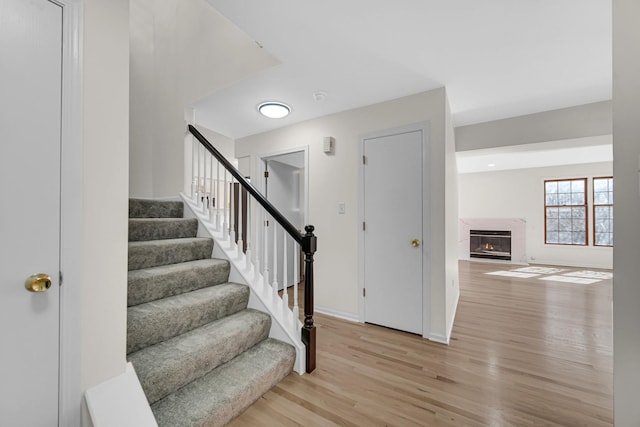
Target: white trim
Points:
(120, 401)
(425, 129)
(438, 338)
(259, 182)
(351, 317)
(71, 215)
(453, 317)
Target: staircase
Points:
(201, 355)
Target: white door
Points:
(285, 190)
(393, 231)
(30, 144)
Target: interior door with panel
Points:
(393, 216)
(30, 149)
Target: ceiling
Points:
(497, 58)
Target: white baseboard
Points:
(438, 338)
(336, 313)
(453, 317)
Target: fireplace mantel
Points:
(517, 227)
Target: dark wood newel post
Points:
(308, 329)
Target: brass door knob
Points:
(415, 243)
(38, 283)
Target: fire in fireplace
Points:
(490, 244)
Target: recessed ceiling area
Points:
(542, 154)
(497, 58)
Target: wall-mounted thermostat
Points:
(328, 145)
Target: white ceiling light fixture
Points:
(274, 109)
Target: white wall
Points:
(626, 264)
(520, 194)
(181, 51)
(334, 179)
(452, 284)
(105, 138)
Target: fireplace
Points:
(490, 244)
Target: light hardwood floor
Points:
(523, 352)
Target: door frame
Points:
(425, 129)
(71, 215)
(260, 168)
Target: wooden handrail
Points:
(307, 241)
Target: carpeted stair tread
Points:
(150, 284)
(165, 367)
(170, 251)
(157, 321)
(143, 208)
(141, 229)
(221, 395)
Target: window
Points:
(603, 211)
(566, 211)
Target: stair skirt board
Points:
(202, 355)
(239, 274)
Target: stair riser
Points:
(164, 252)
(140, 208)
(160, 282)
(141, 229)
(197, 353)
(158, 321)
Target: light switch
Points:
(342, 208)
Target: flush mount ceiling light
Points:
(274, 109)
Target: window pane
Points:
(564, 237)
(552, 237)
(600, 184)
(564, 186)
(564, 212)
(564, 199)
(577, 186)
(551, 187)
(602, 212)
(601, 198)
(552, 212)
(578, 212)
(552, 224)
(552, 199)
(578, 238)
(565, 224)
(577, 199)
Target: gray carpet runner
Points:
(201, 355)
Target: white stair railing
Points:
(273, 245)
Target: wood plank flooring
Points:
(523, 352)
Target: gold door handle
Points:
(415, 243)
(38, 283)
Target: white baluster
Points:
(275, 261)
(225, 224)
(265, 246)
(285, 272)
(211, 189)
(232, 214)
(193, 167)
(204, 182)
(217, 228)
(247, 237)
(296, 280)
(240, 236)
(198, 192)
(258, 240)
